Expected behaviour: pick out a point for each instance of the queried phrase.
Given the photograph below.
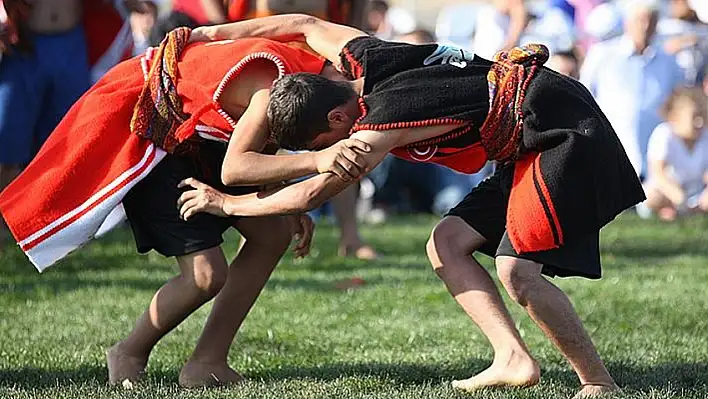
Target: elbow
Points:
(230, 177)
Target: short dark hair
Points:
(298, 107)
(378, 6)
(424, 35)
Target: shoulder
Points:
(660, 141)
(662, 133)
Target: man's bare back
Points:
(55, 16)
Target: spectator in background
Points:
(631, 78)
(554, 26)
(602, 23)
(678, 158)
(388, 23)
(582, 11)
(173, 20)
(686, 37)
(52, 51)
(499, 27)
(376, 22)
(418, 36)
(197, 12)
(564, 62)
(142, 22)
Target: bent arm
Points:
(326, 38)
(310, 193)
(246, 165)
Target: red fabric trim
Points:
(405, 125)
(526, 223)
(357, 68)
(549, 202)
(71, 220)
(437, 140)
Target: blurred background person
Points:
(499, 26)
(566, 63)
(678, 158)
(142, 23)
(685, 36)
(52, 51)
(631, 77)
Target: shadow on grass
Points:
(688, 376)
(631, 377)
(36, 378)
(643, 249)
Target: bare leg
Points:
(203, 273)
(660, 204)
(449, 249)
(551, 309)
(266, 240)
(350, 243)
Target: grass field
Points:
(400, 335)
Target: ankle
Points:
(206, 359)
(513, 355)
(606, 382)
(127, 349)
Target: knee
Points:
(448, 243)
(276, 234)
(272, 233)
(209, 278)
(518, 277)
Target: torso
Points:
(222, 83)
(55, 16)
(434, 85)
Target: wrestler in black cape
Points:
(562, 172)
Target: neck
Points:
(689, 143)
(358, 86)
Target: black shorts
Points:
(484, 209)
(151, 206)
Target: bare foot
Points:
(197, 375)
(667, 214)
(361, 252)
(519, 371)
(123, 367)
(596, 390)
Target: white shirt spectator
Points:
(490, 32)
(630, 88)
(686, 166)
(692, 59)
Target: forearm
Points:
(670, 188)
(519, 18)
(289, 26)
(252, 168)
(295, 198)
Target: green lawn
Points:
(401, 335)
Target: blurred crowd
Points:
(645, 62)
